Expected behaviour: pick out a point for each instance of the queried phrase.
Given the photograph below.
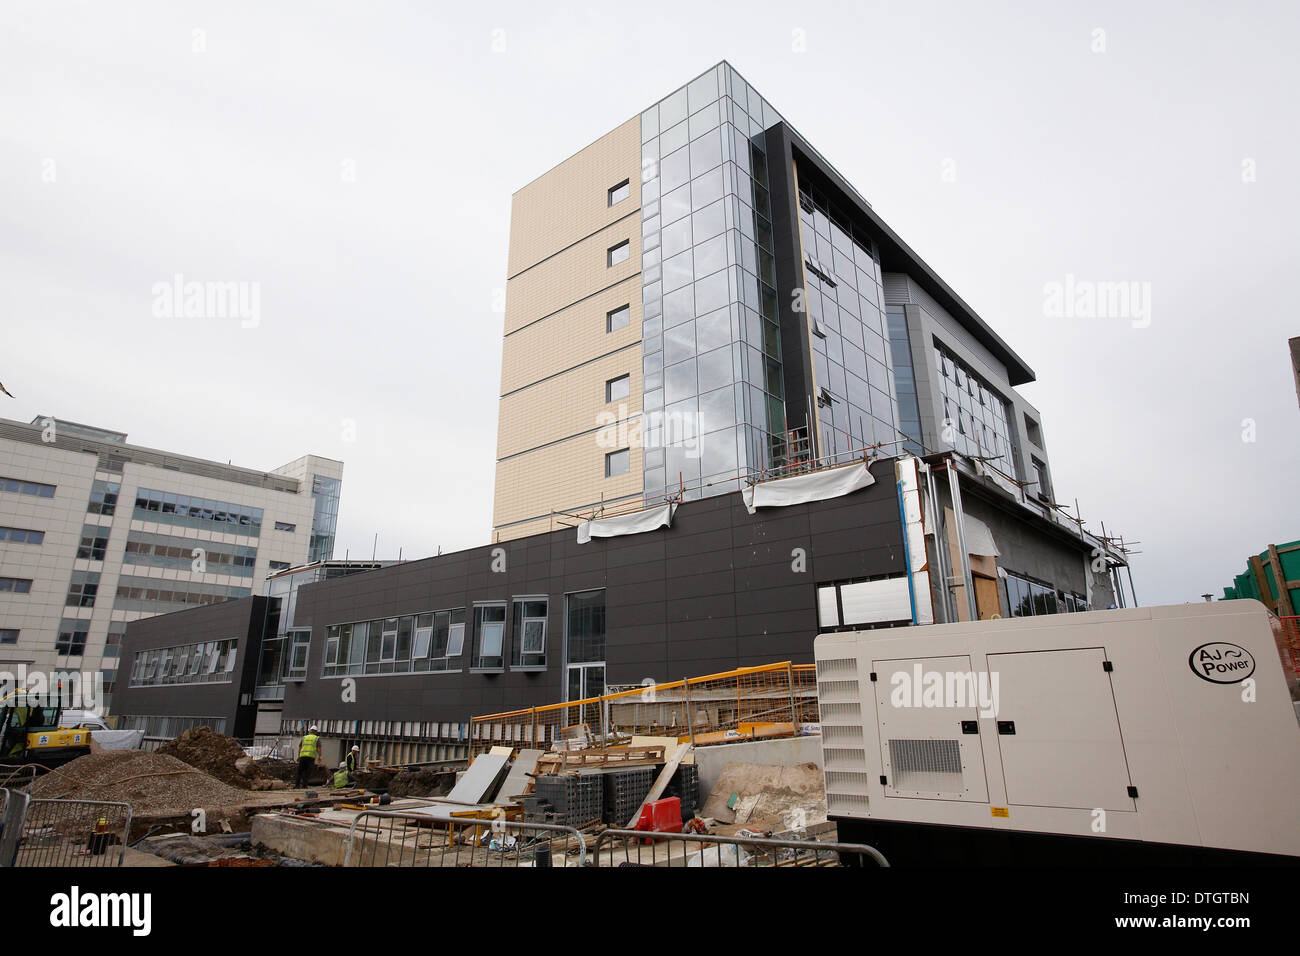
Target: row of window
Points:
(164, 551)
(150, 594)
(22, 536)
(19, 487)
(206, 662)
(1027, 597)
(432, 641)
(150, 504)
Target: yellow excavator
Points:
(30, 731)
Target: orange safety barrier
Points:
(770, 700)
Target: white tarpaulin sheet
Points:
(817, 486)
(979, 539)
(634, 523)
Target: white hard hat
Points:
(356, 748)
(314, 728)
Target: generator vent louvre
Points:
(838, 712)
(845, 758)
(925, 756)
(848, 734)
(846, 804)
(837, 690)
(845, 781)
(838, 666)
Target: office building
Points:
(96, 533)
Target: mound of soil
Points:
(421, 783)
(213, 753)
(153, 783)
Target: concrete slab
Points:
(480, 779)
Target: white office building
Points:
(95, 533)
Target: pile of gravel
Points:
(215, 754)
(153, 783)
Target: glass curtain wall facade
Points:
(857, 403)
(325, 496)
(977, 413)
(712, 392)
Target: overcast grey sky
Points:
(357, 160)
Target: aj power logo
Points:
(77, 909)
(1221, 663)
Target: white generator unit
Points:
(1142, 735)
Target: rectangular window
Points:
(423, 636)
(584, 627)
(94, 542)
(22, 536)
(620, 192)
(82, 589)
(72, 638)
(8, 635)
(17, 486)
(617, 389)
(103, 497)
(279, 566)
(16, 585)
(456, 638)
(1044, 488)
(619, 253)
(490, 633)
(618, 463)
(528, 633)
(388, 642)
(618, 318)
(285, 526)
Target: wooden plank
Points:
(1261, 583)
(1284, 606)
(662, 781)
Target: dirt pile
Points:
(215, 754)
(422, 783)
(153, 783)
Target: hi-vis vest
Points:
(308, 748)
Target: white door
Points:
(1058, 733)
(927, 710)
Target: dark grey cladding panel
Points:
(242, 618)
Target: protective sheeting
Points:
(985, 470)
(118, 739)
(979, 539)
(635, 522)
(817, 486)
(875, 602)
(909, 490)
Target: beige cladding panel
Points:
(568, 404)
(571, 337)
(570, 474)
(571, 201)
(572, 275)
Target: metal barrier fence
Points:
(387, 838)
(12, 814)
(77, 833)
(639, 848)
(770, 700)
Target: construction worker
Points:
(341, 778)
(353, 764)
(308, 751)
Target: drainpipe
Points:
(959, 515)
